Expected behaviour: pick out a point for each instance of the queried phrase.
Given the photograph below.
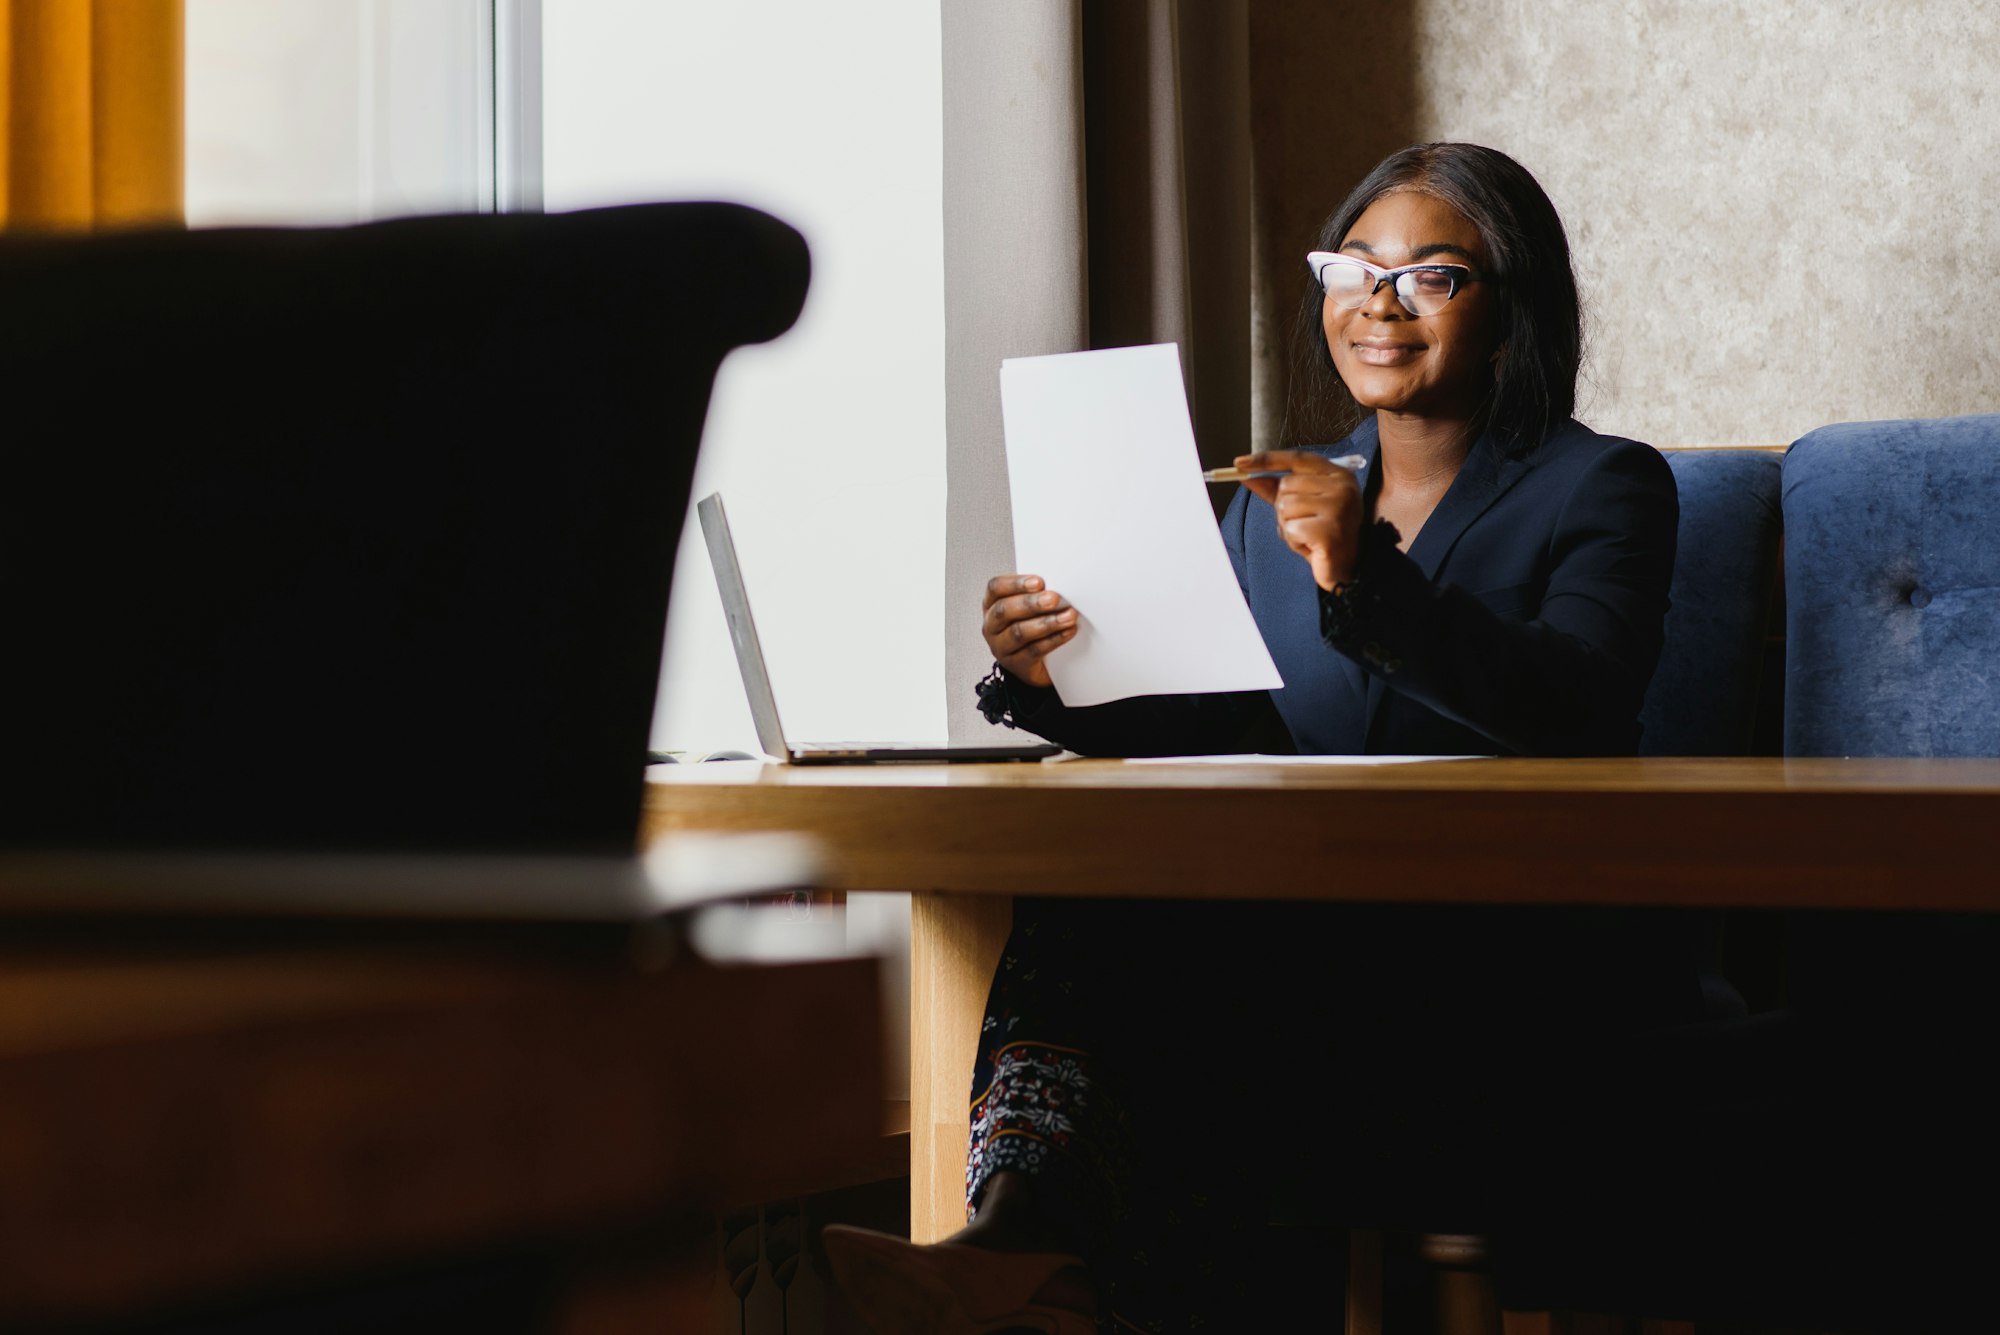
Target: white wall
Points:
(829, 443)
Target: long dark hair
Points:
(1541, 325)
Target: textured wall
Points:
(1785, 212)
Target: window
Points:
(828, 444)
(339, 111)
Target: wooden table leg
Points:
(1464, 1284)
(955, 944)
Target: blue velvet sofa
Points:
(1830, 1160)
(1892, 584)
(1708, 694)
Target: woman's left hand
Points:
(1319, 509)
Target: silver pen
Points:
(1352, 462)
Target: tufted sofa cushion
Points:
(1703, 699)
(1892, 587)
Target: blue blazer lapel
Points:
(1484, 477)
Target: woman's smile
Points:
(1380, 351)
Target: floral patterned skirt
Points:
(1120, 1079)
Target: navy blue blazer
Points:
(1525, 619)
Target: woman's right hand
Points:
(1023, 623)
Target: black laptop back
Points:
(359, 538)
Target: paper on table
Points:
(1110, 510)
(1292, 760)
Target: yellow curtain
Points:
(90, 114)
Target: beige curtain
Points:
(90, 113)
(1097, 194)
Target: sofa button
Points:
(1920, 597)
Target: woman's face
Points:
(1426, 366)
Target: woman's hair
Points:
(1541, 319)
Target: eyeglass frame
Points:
(1459, 274)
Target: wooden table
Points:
(198, 1116)
(1898, 834)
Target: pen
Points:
(1353, 462)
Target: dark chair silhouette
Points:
(1703, 701)
(358, 540)
(304, 533)
(1842, 1174)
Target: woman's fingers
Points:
(1021, 634)
(1021, 607)
(1007, 586)
(1263, 488)
(1023, 628)
(1303, 473)
(1293, 503)
(1043, 647)
(1291, 462)
(1024, 621)
(1319, 517)
(1321, 491)
(1303, 534)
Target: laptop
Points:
(764, 704)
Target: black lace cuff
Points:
(1352, 606)
(994, 700)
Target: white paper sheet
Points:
(1292, 760)
(1110, 510)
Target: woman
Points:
(1493, 579)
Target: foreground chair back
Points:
(311, 536)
